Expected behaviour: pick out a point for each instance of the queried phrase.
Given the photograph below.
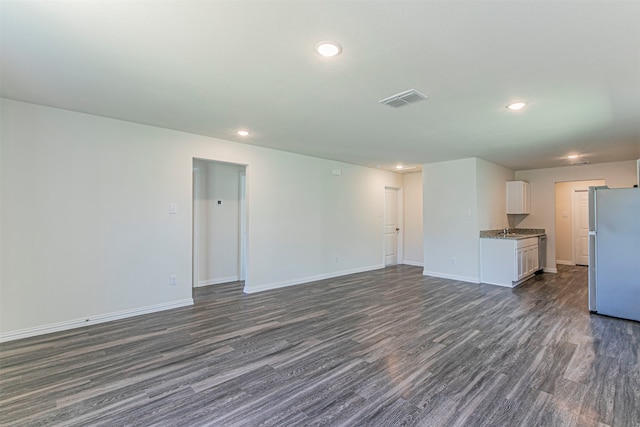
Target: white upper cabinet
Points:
(518, 197)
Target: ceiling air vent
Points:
(407, 97)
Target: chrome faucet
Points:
(505, 231)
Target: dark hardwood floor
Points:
(388, 347)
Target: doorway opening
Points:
(219, 222)
(572, 221)
(393, 215)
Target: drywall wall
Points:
(85, 217)
(461, 198)
(87, 233)
(413, 233)
(616, 174)
(450, 222)
(216, 222)
(491, 182)
(564, 218)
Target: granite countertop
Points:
(514, 233)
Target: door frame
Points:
(242, 274)
(574, 220)
(194, 226)
(243, 228)
(400, 224)
(559, 224)
(582, 185)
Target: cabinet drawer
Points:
(523, 243)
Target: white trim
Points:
(285, 283)
(243, 227)
(93, 320)
(550, 270)
(195, 230)
(217, 281)
(414, 263)
(400, 249)
(564, 262)
(242, 273)
(499, 284)
(451, 276)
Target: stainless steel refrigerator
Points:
(614, 252)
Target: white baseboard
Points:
(498, 284)
(217, 281)
(451, 276)
(92, 320)
(414, 263)
(563, 262)
(550, 270)
(299, 281)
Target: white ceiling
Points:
(211, 67)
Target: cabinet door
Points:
(529, 260)
(521, 263)
(518, 197)
(533, 255)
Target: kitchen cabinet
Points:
(518, 197)
(508, 262)
(526, 258)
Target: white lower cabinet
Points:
(526, 258)
(508, 262)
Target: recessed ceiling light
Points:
(572, 156)
(243, 132)
(516, 105)
(328, 48)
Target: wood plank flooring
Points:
(383, 348)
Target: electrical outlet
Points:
(454, 261)
(173, 280)
(337, 259)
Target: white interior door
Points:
(391, 226)
(580, 233)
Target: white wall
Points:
(86, 229)
(413, 233)
(85, 218)
(217, 233)
(492, 194)
(450, 220)
(616, 174)
(461, 198)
